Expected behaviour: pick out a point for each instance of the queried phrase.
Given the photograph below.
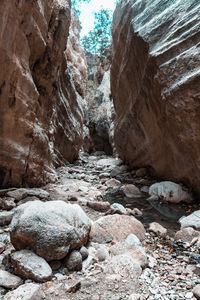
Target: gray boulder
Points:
(9, 280)
(50, 229)
(74, 261)
(31, 266)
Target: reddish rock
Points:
(116, 227)
(155, 87)
(41, 115)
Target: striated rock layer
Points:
(155, 82)
(41, 116)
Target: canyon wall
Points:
(155, 84)
(99, 112)
(41, 115)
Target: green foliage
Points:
(98, 40)
(76, 5)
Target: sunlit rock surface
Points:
(155, 80)
(41, 115)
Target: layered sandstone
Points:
(41, 115)
(155, 81)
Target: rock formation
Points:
(41, 116)
(99, 111)
(155, 86)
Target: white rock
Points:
(132, 239)
(170, 191)
(28, 291)
(193, 220)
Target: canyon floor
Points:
(172, 268)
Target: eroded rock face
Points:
(155, 86)
(41, 115)
(99, 113)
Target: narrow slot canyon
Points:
(99, 151)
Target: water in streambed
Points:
(164, 213)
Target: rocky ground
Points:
(122, 259)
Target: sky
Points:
(87, 16)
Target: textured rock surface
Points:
(76, 60)
(155, 86)
(66, 227)
(192, 220)
(28, 291)
(99, 112)
(31, 266)
(116, 227)
(41, 117)
(9, 280)
(170, 191)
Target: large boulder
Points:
(50, 229)
(170, 191)
(117, 228)
(155, 78)
(41, 113)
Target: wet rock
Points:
(193, 220)
(113, 183)
(7, 203)
(117, 208)
(187, 234)
(9, 280)
(2, 247)
(131, 191)
(73, 262)
(136, 212)
(6, 217)
(99, 205)
(141, 172)
(31, 266)
(196, 291)
(84, 252)
(157, 229)
(28, 291)
(22, 193)
(116, 227)
(145, 189)
(170, 191)
(66, 227)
